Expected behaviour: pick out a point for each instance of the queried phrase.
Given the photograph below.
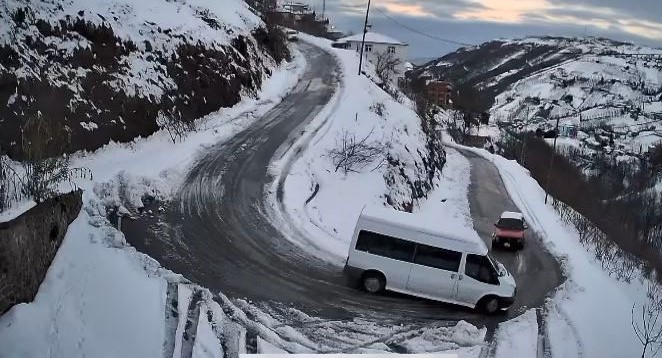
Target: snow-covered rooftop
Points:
(512, 215)
(372, 37)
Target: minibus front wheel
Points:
(489, 304)
(373, 281)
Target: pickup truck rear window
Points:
(510, 224)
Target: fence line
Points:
(617, 263)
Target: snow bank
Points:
(518, 337)
(94, 296)
(591, 307)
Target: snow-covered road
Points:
(218, 233)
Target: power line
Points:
(420, 32)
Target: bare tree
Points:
(174, 125)
(386, 67)
(352, 155)
(4, 183)
(44, 167)
(648, 327)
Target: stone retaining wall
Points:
(29, 243)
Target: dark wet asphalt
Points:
(217, 233)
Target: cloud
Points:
(604, 15)
(507, 11)
(477, 21)
(416, 10)
(605, 18)
(650, 10)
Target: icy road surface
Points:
(218, 235)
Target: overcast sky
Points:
(476, 21)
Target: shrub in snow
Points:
(10, 184)
(352, 155)
(174, 125)
(43, 168)
(647, 323)
(378, 108)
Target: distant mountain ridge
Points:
(590, 83)
(490, 68)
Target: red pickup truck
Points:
(509, 230)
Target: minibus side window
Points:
(438, 258)
(479, 268)
(386, 246)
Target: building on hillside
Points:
(301, 17)
(296, 8)
(440, 92)
(333, 33)
(294, 11)
(568, 130)
(262, 6)
(375, 45)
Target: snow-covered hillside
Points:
(324, 197)
(608, 95)
(604, 94)
(104, 69)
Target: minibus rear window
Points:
(386, 246)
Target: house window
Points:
(391, 49)
(368, 48)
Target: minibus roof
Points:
(401, 219)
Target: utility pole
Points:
(365, 31)
(551, 161)
(524, 136)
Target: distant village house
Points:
(301, 17)
(375, 45)
(440, 92)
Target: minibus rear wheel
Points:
(373, 281)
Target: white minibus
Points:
(396, 251)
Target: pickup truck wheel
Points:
(373, 282)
